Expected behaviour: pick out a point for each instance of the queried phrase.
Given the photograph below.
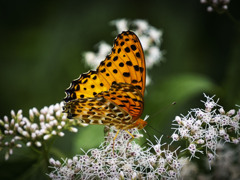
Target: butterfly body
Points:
(113, 94)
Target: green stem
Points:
(233, 19)
(45, 155)
(57, 153)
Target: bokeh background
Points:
(41, 49)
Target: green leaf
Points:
(184, 89)
(89, 137)
(181, 87)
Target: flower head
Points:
(220, 6)
(39, 126)
(128, 161)
(206, 128)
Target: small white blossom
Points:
(235, 140)
(219, 6)
(35, 111)
(73, 129)
(155, 34)
(192, 148)
(93, 59)
(5, 118)
(31, 114)
(231, 112)
(134, 176)
(121, 25)
(121, 175)
(6, 156)
(175, 137)
(52, 161)
(61, 134)
(18, 145)
(58, 113)
(38, 143)
(178, 119)
(153, 56)
(141, 25)
(47, 136)
(200, 141)
(33, 136)
(58, 163)
(221, 110)
(13, 114)
(26, 134)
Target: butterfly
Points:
(113, 94)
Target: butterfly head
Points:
(140, 124)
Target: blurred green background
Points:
(41, 50)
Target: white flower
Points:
(128, 161)
(206, 128)
(32, 130)
(13, 114)
(31, 114)
(52, 161)
(73, 129)
(61, 134)
(121, 25)
(154, 55)
(93, 59)
(38, 143)
(104, 49)
(155, 34)
(178, 119)
(220, 6)
(145, 41)
(175, 137)
(141, 25)
(231, 112)
(193, 149)
(46, 137)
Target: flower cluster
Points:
(127, 161)
(219, 6)
(228, 159)
(226, 165)
(149, 36)
(205, 129)
(33, 130)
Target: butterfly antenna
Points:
(154, 129)
(154, 115)
(166, 107)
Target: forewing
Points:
(125, 64)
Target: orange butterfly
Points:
(113, 94)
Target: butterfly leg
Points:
(114, 139)
(130, 135)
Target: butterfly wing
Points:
(125, 64)
(121, 106)
(113, 94)
(126, 96)
(95, 110)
